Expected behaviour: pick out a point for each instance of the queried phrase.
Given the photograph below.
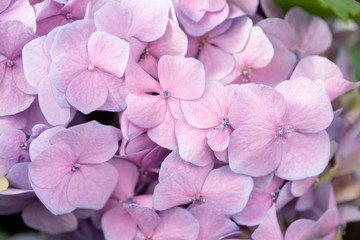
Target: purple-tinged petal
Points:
(298, 188)
(217, 63)
(323, 71)
(312, 33)
(269, 228)
(42, 142)
(53, 113)
(301, 229)
(55, 199)
(10, 141)
(242, 7)
(41, 171)
(92, 185)
(108, 53)
(92, 142)
(15, 200)
(193, 145)
(309, 107)
(118, 224)
(218, 139)
(36, 216)
(213, 223)
(304, 155)
(128, 176)
(146, 218)
(234, 39)
(18, 176)
(184, 78)
(306, 201)
(228, 191)
(177, 222)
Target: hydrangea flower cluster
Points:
(227, 125)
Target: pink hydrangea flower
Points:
(69, 164)
(19, 10)
(281, 130)
(156, 104)
(94, 66)
(16, 94)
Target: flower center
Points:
(127, 38)
(9, 63)
(197, 199)
(282, 132)
(224, 123)
(76, 167)
(165, 94)
(144, 54)
(275, 195)
(68, 16)
(245, 74)
(202, 43)
(91, 67)
(24, 146)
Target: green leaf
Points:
(329, 175)
(343, 9)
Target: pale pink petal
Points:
(36, 216)
(177, 222)
(258, 105)
(217, 63)
(173, 42)
(93, 91)
(234, 39)
(108, 17)
(242, 7)
(184, 78)
(304, 155)
(175, 190)
(309, 107)
(218, 139)
(145, 110)
(204, 112)
(270, 9)
(74, 38)
(4, 4)
(175, 108)
(53, 113)
(92, 185)
(306, 201)
(322, 70)
(228, 191)
(269, 228)
(193, 145)
(313, 34)
(36, 63)
(164, 133)
(138, 81)
(42, 170)
(118, 224)
(174, 164)
(149, 20)
(65, 68)
(18, 77)
(128, 176)
(258, 40)
(108, 53)
(253, 151)
(92, 142)
(213, 223)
